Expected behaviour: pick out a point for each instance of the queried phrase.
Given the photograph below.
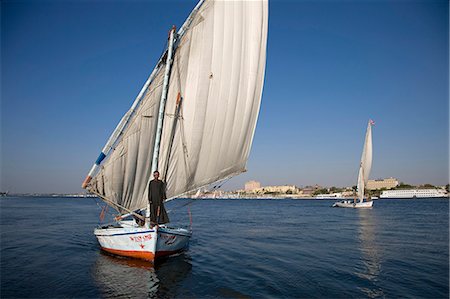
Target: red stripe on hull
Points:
(144, 255)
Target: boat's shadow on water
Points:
(118, 277)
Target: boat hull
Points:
(141, 242)
(353, 205)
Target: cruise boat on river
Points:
(414, 193)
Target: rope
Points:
(181, 206)
(191, 201)
(103, 209)
(218, 186)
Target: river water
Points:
(239, 249)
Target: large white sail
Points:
(211, 111)
(219, 71)
(366, 162)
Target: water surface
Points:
(239, 249)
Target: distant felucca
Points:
(363, 176)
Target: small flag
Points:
(372, 122)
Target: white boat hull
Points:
(414, 193)
(141, 242)
(352, 204)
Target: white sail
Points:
(216, 79)
(124, 173)
(218, 70)
(366, 162)
(361, 185)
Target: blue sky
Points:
(71, 69)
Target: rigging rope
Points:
(183, 205)
(104, 210)
(218, 186)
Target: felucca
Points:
(193, 120)
(363, 176)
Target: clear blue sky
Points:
(71, 69)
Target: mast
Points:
(162, 107)
(162, 103)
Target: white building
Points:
(252, 185)
(280, 189)
(388, 183)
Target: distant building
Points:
(309, 190)
(286, 189)
(252, 185)
(347, 193)
(306, 192)
(388, 183)
(280, 189)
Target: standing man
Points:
(156, 197)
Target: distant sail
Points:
(366, 162)
(211, 112)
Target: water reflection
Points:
(119, 277)
(370, 253)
